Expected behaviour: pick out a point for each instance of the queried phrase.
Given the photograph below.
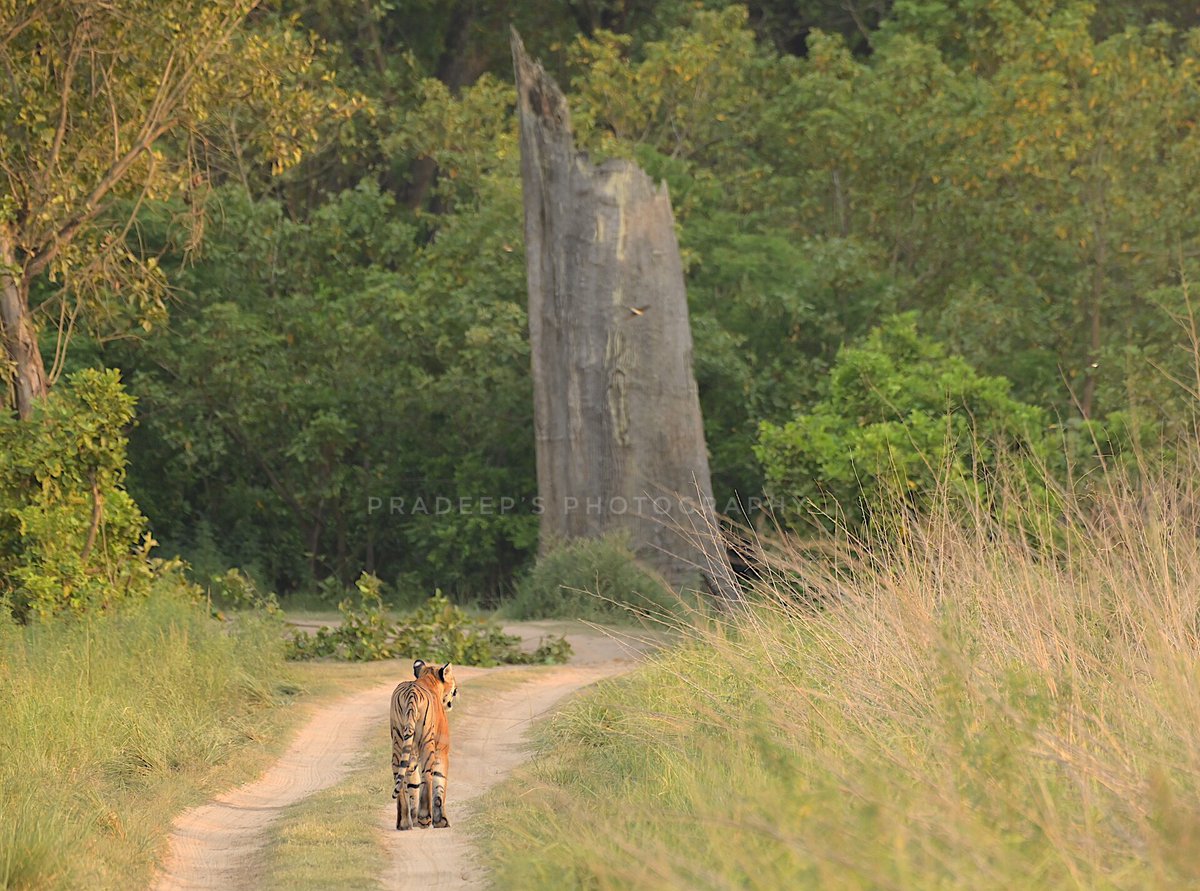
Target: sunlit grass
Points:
(331, 839)
(970, 708)
(110, 726)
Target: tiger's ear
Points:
(442, 671)
(417, 666)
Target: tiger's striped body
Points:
(421, 745)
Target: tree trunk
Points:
(620, 442)
(460, 65)
(20, 338)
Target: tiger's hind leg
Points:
(438, 787)
(405, 770)
(399, 762)
(399, 768)
(424, 814)
(410, 799)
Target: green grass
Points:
(969, 710)
(330, 840)
(110, 726)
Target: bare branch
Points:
(78, 36)
(66, 327)
(160, 118)
(113, 114)
(11, 34)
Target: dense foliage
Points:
(325, 390)
(67, 525)
(901, 420)
(338, 381)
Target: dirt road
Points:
(217, 845)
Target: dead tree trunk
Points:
(620, 443)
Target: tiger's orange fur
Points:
(421, 745)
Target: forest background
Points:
(923, 240)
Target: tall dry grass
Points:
(968, 702)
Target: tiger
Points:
(421, 745)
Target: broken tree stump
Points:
(620, 441)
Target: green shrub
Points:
(596, 578)
(437, 631)
(71, 538)
(903, 421)
(109, 724)
(234, 589)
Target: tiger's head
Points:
(443, 678)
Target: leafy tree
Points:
(110, 105)
(901, 418)
(67, 525)
(1015, 190)
(317, 370)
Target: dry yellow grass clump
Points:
(963, 704)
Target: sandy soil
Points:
(215, 846)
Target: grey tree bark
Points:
(620, 442)
(28, 374)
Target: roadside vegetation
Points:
(439, 631)
(598, 579)
(120, 691)
(113, 723)
(960, 703)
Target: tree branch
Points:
(64, 101)
(97, 514)
(160, 119)
(11, 34)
